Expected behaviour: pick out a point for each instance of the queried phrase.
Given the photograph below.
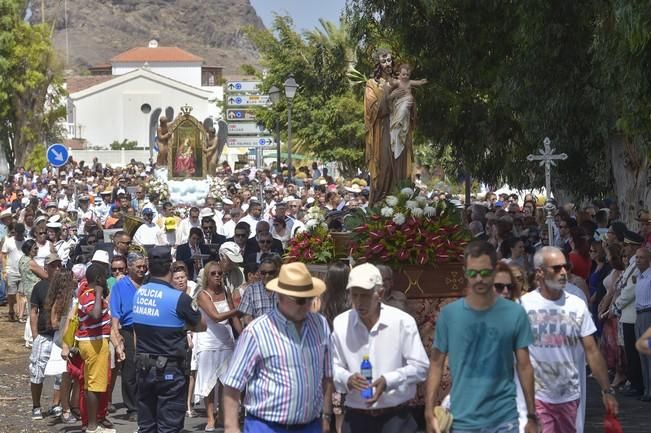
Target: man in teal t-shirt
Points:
(481, 335)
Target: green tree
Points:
(504, 75)
(31, 86)
(327, 111)
(36, 159)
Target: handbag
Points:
(611, 423)
(71, 327)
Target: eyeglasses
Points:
(213, 273)
(240, 235)
(264, 242)
(263, 273)
(484, 273)
(41, 233)
(501, 286)
(124, 242)
(117, 269)
(558, 268)
(301, 301)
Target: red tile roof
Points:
(79, 83)
(159, 54)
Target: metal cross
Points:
(547, 158)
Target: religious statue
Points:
(163, 138)
(386, 169)
(402, 109)
(184, 163)
(211, 151)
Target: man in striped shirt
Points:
(284, 361)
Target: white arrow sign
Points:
(247, 100)
(243, 86)
(251, 141)
(244, 128)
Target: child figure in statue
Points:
(184, 164)
(402, 104)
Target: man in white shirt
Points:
(390, 339)
(561, 325)
(149, 233)
(11, 253)
(183, 230)
(253, 216)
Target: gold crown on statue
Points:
(186, 110)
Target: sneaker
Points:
(101, 429)
(68, 418)
(36, 413)
(56, 411)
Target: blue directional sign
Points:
(57, 155)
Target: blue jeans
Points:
(3, 291)
(507, 427)
(256, 425)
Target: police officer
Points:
(160, 316)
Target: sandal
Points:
(105, 422)
(190, 413)
(68, 417)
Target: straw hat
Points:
(444, 417)
(644, 216)
(294, 279)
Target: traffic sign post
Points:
(243, 86)
(242, 114)
(57, 155)
(245, 128)
(247, 100)
(244, 141)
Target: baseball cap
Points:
(232, 251)
(161, 253)
(147, 211)
(365, 276)
(51, 258)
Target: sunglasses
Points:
(558, 268)
(301, 301)
(501, 286)
(264, 242)
(484, 273)
(240, 235)
(117, 269)
(213, 273)
(267, 272)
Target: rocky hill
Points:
(100, 29)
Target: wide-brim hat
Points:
(295, 279)
(6, 213)
(644, 216)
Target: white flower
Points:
(311, 224)
(411, 204)
(417, 212)
(422, 200)
(391, 200)
(399, 219)
(429, 211)
(408, 192)
(386, 211)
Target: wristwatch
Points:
(533, 417)
(610, 390)
(326, 416)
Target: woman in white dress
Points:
(214, 347)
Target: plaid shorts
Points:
(41, 349)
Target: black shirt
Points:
(39, 295)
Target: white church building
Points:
(124, 99)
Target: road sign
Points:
(234, 115)
(243, 86)
(248, 100)
(57, 155)
(251, 142)
(245, 128)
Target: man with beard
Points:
(483, 336)
(561, 325)
(385, 170)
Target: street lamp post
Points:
(290, 92)
(274, 96)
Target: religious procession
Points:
(383, 277)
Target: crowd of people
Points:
(197, 305)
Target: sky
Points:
(305, 13)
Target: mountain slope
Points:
(100, 29)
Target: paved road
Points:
(635, 416)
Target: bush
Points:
(36, 159)
(126, 145)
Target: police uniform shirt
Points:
(160, 313)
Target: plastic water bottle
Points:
(367, 371)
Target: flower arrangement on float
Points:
(158, 185)
(217, 187)
(410, 229)
(314, 244)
